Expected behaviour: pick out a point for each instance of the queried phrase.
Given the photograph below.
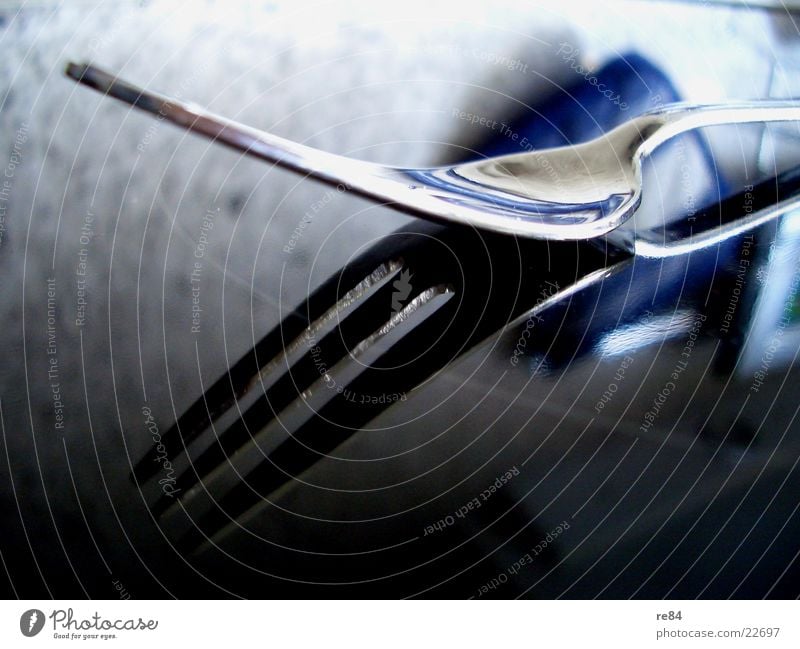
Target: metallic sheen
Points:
(566, 193)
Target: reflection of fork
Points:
(345, 356)
(571, 192)
(341, 359)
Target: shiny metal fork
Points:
(364, 342)
(565, 193)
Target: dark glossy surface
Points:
(632, 413)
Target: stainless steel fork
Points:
(566, 193)
(364, 342)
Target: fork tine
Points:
(267, 438)
(264, 359)
(289, 444)
(294, 370)
(323, 166)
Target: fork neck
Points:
(658, 126)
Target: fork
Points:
(573, 192)
(317, 379)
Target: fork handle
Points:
(665, 123)
(328, 167)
